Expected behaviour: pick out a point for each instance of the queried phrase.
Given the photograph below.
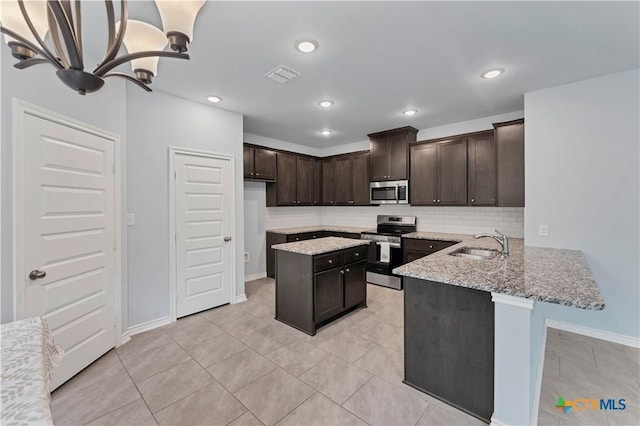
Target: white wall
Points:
(40, 86)
(283, 145)
(582, 181)
(156, 121)
(254, 226)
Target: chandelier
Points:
(26, 24)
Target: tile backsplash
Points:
(457, 220)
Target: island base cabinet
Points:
(449, 344)
(311, 291)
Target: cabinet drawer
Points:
(427, 246)
(304, 236)
(355, 254)
(327, 261)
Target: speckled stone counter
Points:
(550, 275)
(320, 245)
(316, 228)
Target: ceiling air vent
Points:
(282, 74)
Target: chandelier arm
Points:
(43, 49)
(55, 38)
(26, 63)
(111, 24)
(75, 57)
(129, 78)
(66, 7)
(117, 42)
(100, 71)
(79, 27)
(45, 54)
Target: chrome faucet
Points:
(502, 239)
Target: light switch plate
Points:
(131, 219)
(246, 256)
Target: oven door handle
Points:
(392, 245)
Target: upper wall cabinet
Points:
(259, 163)
(481, 150)
(295, 181)
(388, 153)
(327, 186)
(439, 173)
(510, 163)
(351, 183)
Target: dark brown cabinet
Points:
(317, 182)
(389, 153)
(259, 163)
(414, 248)
(277, 238)
(510, 163)
(295, 184)
(313, 290)
(482, 170)
(328, 168)
(439, 173)
(351, 180)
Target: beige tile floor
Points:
(577, 366)
(236, 365)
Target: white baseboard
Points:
(496, 422)
(255, 276)
(124, 338)
(149, 325)
(595, 333)
(240, 298)
(537, 390)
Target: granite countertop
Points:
(320, 245)
(557, 276)
(316, 228)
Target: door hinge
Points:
(115, 322)
(175, 175)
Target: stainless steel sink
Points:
(475, 253)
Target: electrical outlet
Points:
(543, 230)
(246, 256)
(131, 219)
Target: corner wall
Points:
(156, 121)
(582, 181)
(40, 86)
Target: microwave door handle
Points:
(397, 200)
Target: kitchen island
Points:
(468, 322)
(319, 280)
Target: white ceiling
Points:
(377, 59)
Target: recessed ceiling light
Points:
(493, 73)
(306, 45)
(214, 99)
(410, 112)
(326, 132)
(326, 103)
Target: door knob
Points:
(227, 239)
(35, 274)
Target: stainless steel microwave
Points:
(391, 192)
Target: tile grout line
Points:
(138, 390)
(347, 400)
(293, 409)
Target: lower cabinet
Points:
(312, 290)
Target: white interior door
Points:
(204, 212)
(68, 246)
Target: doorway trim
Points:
(20, 109)
(173, 282)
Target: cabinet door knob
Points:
(257, 173)
(357, 254)
(438, 201)
(342, 272)
(434, 201)
(348, 270)
(473, 200)
(430, 247)
(330, 261)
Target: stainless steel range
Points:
(385, 251)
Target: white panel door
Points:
(68, 241)
(204, 224)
